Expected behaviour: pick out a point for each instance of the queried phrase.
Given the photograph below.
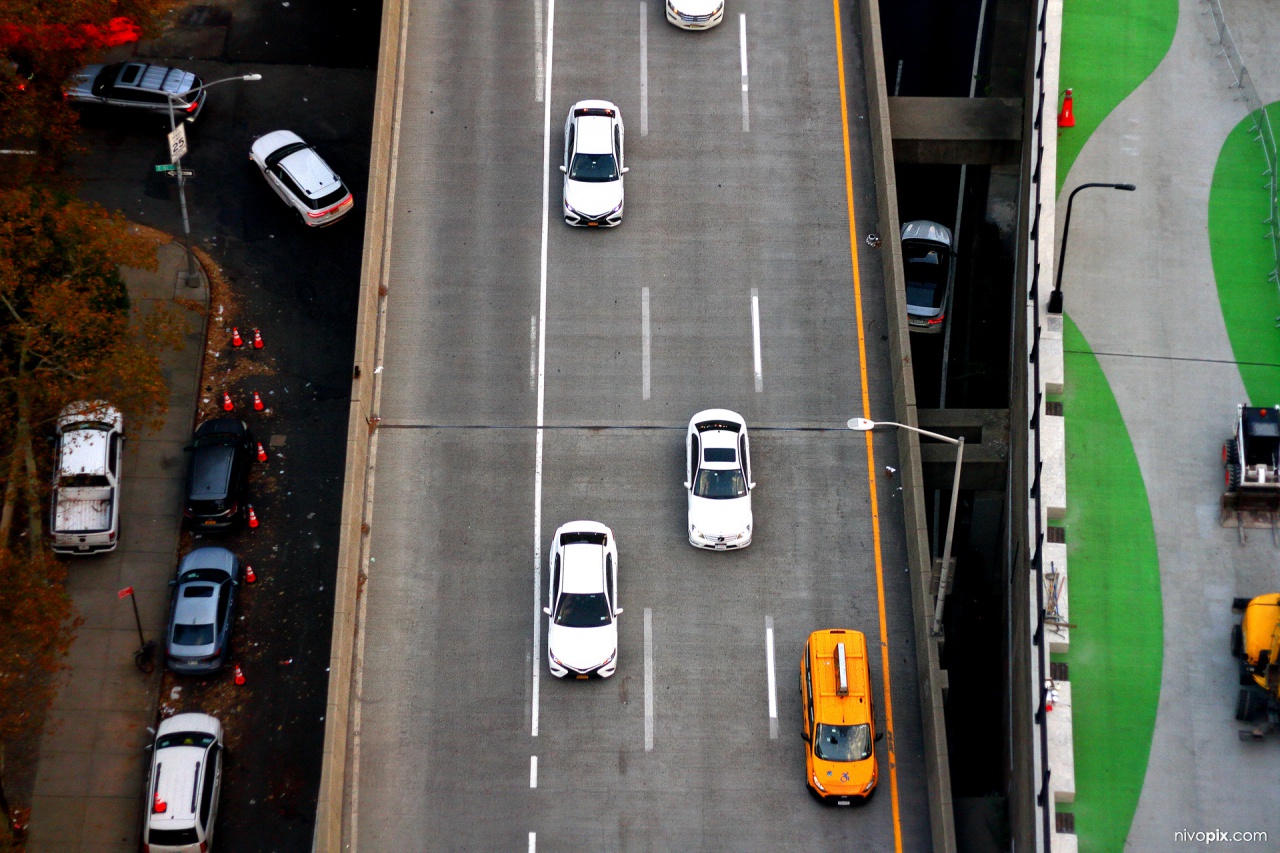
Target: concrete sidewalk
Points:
(92, 759)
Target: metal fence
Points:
(1261, 128)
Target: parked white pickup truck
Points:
(85, 511)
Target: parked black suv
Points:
(218, 474)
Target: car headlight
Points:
(568, 208)
(694, 531)
(616, 209)
(552, 655)
(868, 786)
(818, 784)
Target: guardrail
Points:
(1261, 127)
(1039, 191)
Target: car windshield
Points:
(193, 635)
(184, 739)
(720, 484)
(83, 481)
(842, 743)
(583, 611)
(593, 168)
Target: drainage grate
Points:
(1066, 822)
(1052, 408)
(1057, 535)
(1058, 671)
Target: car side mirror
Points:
(546, 610)
(751, 485)
(625, 169)
(879, 736)
(173, 583)
(564, 169)
(686, 484)
(804, 736)
(618, 612)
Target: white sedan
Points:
(582, 637)
(593, 165)
(718, 468)
(695, 14)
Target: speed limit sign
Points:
(178, 143)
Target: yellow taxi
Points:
(839, 718)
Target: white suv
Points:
(301, 178)
(593, 166)
(183, 785)
(582, 636)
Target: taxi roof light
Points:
(843, 689)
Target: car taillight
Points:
(204, 847)
(936, 320)
(317, 214)
(193, 106)
(111, 537)
(188, 513)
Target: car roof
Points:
(178, 780)
(923, 229)
(196, 609)
(153, 78)
(209, 557)
(84, 452)
(310, 172)
(595, 134)
(831, 707)
(583, 567)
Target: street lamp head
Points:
(254, 77)
(1128, 187)
(861, 424)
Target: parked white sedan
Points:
(718, 472)
(582, 637)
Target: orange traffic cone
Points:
(227, 405)
(262, 453)
(1067, 116)
(249, 575)
(257, 340)
(239, 676)
(160, 806)
(257, 402)
(253, 517)
(236, 340)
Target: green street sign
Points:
(166, 167)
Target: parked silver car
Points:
(138, 86)
(198, 640)
(926, 263)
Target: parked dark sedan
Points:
(200, 618)
(218, 474)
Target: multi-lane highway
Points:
(534, 374)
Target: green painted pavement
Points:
(1108, 48)
(1117, 644)
(1243, 259)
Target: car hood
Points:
(698, 7)
(720, 517)
(593, 199)
(81, 83)
(845, 777)
(582, 648)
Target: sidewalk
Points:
(89, 783)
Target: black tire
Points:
(1244, 705)
(1233, 477)
(1246, 674)
(1240, 603)
(1237, 641)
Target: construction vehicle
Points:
(1251, 464)
(1255, 642)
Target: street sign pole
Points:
(178, 147)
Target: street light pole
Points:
(1055, 298)
(944, 576)
(191, 275)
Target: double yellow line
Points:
(871, 457)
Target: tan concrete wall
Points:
(356, 485)
(932, 678)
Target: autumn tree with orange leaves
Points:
(41, 44)
(67, 333)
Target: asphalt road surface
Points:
(729, 283)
